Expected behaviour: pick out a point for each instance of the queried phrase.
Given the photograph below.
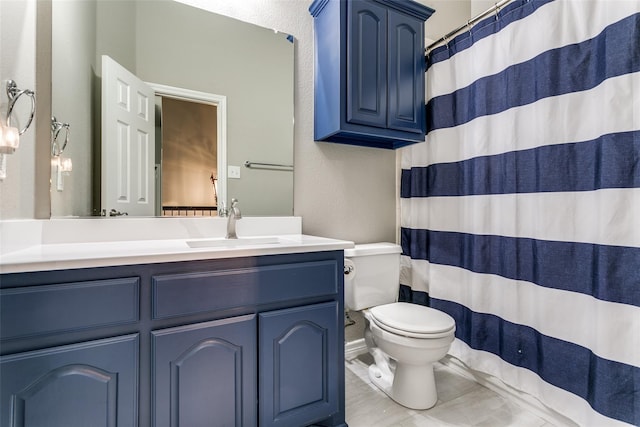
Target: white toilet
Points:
(404, 339)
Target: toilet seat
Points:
(412, 320)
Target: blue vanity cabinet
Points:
(299, 357)
(50, 379)
(369, 71)
(87, 384)
(250, 341)
(205, 374)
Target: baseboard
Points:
(353, 349)
(494, 384)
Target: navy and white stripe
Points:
(520, 214)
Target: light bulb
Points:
(9, 139)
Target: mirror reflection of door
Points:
(189, 157)
(127, 142)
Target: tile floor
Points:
(461, 402)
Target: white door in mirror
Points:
(128, 142)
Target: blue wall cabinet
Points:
(369, 71)
(255, 341)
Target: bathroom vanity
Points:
(245, 336)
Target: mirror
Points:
(169, 44)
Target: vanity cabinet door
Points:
(300, 360)
(205, 374)
(92, 384)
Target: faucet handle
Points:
(222, 209)
(235, 209)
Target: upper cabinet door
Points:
(367, 64)
(406, 66)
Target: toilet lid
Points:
(412, 318)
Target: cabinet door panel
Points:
(299, 357)
(92, 384)
(406, 66)
(366, 64)
(205, 374)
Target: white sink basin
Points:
(233, 243)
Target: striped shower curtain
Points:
(520, 214)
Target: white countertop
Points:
(99, 243)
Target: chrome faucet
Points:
(234, 214)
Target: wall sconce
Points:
(61, 164)
(9, 134)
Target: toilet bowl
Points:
(412, 383)
(404, 339)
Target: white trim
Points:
(355, 348)
(220, 101)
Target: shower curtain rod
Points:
(495, 9)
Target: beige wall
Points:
(480, 6)
(189, 153)
(449, 14)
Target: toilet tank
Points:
(372, 275)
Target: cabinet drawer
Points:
(183, 294)
(68, 307)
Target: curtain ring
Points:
(56, 127)
(497, 10)
(14, 93)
